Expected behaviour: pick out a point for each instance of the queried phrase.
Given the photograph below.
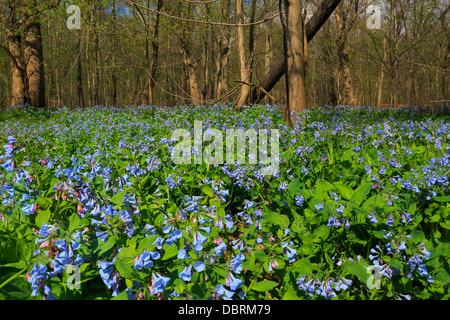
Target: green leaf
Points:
(118, 198)
(290, 294)
(321, 190)
(294, 187)
(361, 193)
(169, 251)
(124, 269)
(442, 199)
(347, 155)
(356, 270)
(417, 236)
(179, 285)
(206, 189)
(42, 217)
(321, 233)
(261, 255)
(263, 286)
(74, 221)
(102, 247)
(147, 242)
(344, 191)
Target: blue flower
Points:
(390, 221)
(299, 200)
(233, 282)
(373, 218)
(283, 186)
(199, 266)
(186, 273)
(319, 206)
(160, 283)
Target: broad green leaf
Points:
(42, 217)
(118, 198)
(74, 221)
(206, 189)
(169, 251)
(344, 191)
(263, 286)
(360, 194)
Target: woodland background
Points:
(125, 53)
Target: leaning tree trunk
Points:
(34, 59)
(296, 58)
(279, 67)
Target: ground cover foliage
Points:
(359, 208)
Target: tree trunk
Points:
(152, 65)
(18, 88)
(244, 70)
(344, 60)
(279, 67)
(268, 58)
(191, 69)
(296, 71)
(223, 45)
(381, 79)
(34, 64)
(80, 75)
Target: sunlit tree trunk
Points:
(244, 70)
(34, 60)
(296, 71)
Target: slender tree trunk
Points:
(34, 64)
(153, 63)
(381, 79)
(344, 59)
(223, 45)
(268, 58)
(244, 70)
(80, 74)
(114, 76)
(296, 71)
(251, 43)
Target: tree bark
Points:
(244, 70)
(153, 63)
(34, 64)
(344, 59)
(296, 71)
(279, 67)
(18, 77)
(80, 75)
(191, 69)
(223, 45)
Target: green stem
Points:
(13, 277)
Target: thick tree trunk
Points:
(18, 77)
(279, 67)
(243, 66)
(34, 60)
(191, 69)
(296, 58)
